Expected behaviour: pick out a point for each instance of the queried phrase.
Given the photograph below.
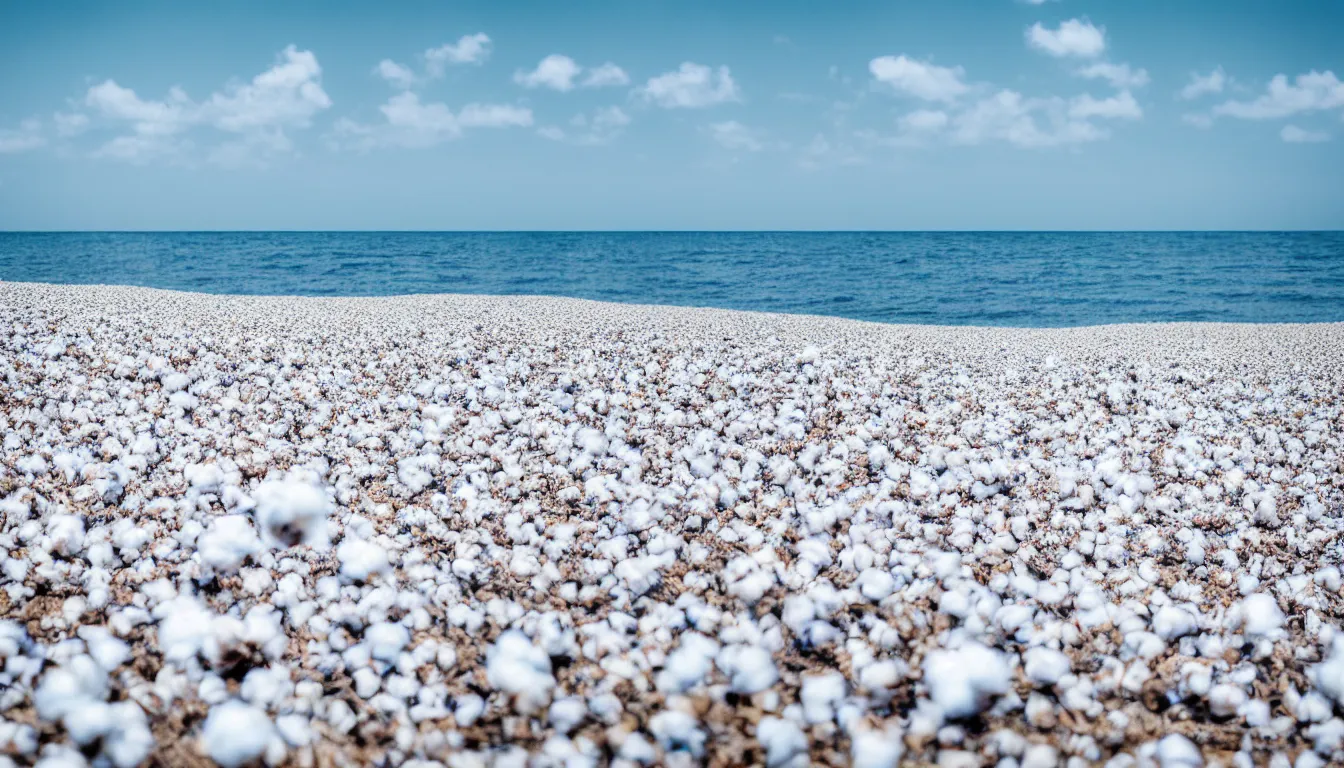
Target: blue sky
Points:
(940, 114)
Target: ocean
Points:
(1037, 279)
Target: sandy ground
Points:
(532, 531)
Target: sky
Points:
(639, 115)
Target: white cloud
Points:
(919, 78)
(1120, 76)
(736, 136)
(605, 124)
(396, 74)
(70, 123)
(561, 73)
(1073, 38)
(409, 122)
(494, 116)
(469, 49)
(1009, 117)
(27, 136)
(285, 96)
(1122, 106)
(1294, 135)
(1311, 92)
(1202, 84)
(923, 121)
(605, 75)
(556, 72)
(691, 86)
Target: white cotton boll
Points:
(228, 541)
(677, 731)
(963, 681)
(687, 666)
(467, 709)
(1171, 622)
(361, 559)
(876, 749)
(235, 733)
(566, 714)
(66, 534)
(749, 668)
(876, 584)
(782, 740)
(1176, 751)
(516, 666)
(68, 688)
(820, 694)
(292, 512)
(1260, 615)
(1329, 674)
(175, 382)
(1225, 699)
(203, 478)
(386, 640)
(954, 603)
(1045, 666)
(109, 651)
(187, 628)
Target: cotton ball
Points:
(517, 667)
(292, 512)
(1260, 615)
(235, 733)
(228, 542)
(361, 559)
(962, 682)
(1045, 666)
(782, 740)
(386, 640)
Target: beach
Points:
(471, 530)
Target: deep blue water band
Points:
(1009, 279)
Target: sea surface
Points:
(1006, 279)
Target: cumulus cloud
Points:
(1122, 106)
(397, 75)
(1009, 117)
(412, 123)
(1294, 135)
(1120, 76)
(1311, 92)
(1074, 37)
(469, 49)
(691, 86)
(70, 123)
(923, 121)
(605, 75)
(556, 72)
(258, 112)
(604, 125)
(27, 136)
(736, 136)
(561, 73)
(920, 79)
(1202, 84)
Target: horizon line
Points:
(654, 231)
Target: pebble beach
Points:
(521, 531)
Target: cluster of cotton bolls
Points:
(530, 532)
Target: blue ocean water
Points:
(1008, 279)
